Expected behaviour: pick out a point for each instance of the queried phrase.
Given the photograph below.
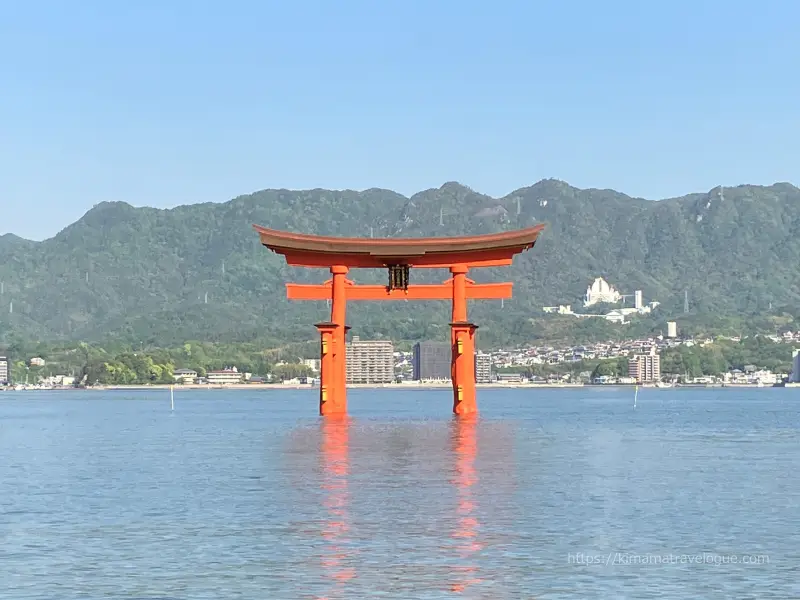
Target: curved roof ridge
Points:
(386, 249)
(277, 235)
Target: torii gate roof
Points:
(491, 250)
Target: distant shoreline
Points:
(391, 386)
(368, 386)
(279, 386)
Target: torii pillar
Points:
(333, 337)
(339, 255)
(462, 341)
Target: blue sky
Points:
(163, 103)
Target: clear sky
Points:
(167, 102)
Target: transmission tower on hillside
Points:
(442, 215)
(686, 301)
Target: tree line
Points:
(124, 365)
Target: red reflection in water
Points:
(334, 456)
(464, 445)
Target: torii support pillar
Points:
(338, 316)
(462, 341)
(330, 401)
(463, 368)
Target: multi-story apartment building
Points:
(370, 361)
(483, 368)
(432, 360)
(645, 367)
(795, 376)
(4, 370)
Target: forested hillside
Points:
(198, 271)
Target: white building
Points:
(615, 316)
(601, 291)
(312, 363)
(483, 368)
(561, 309)
(369, 361)
(637, 300)
(795, 376)
(672, 329)
(226, 376)
(185, 376)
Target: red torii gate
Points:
(398, 255)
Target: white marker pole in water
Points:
(635, 396)
(172, 397)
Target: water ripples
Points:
(249, 495)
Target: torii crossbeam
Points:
(398, 255)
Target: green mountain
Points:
(199, 272)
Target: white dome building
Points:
(601, 291)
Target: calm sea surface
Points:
(550, 494)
